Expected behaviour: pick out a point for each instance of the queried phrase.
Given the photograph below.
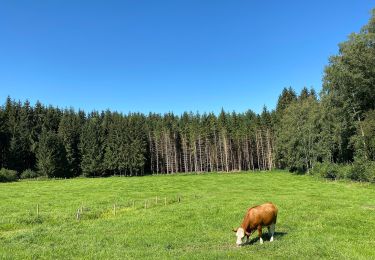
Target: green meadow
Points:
(185, 217)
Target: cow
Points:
(264, 215)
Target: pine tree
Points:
(287, 97)
(51, 157)
(69, 132)
(304, 94)
(91, 146)
(19, 123)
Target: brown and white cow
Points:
(264, 215)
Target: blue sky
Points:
(160, 56)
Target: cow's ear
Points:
(234, 230)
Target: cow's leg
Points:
(260, 234)
(272, 229)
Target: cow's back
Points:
(265, 215)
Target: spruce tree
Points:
(69, 132)
(91, 146)
(51, 157)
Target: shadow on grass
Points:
(266, 238)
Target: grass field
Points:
(317, 219)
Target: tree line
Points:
(62, 143)
(331, 133)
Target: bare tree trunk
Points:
(180, 169)
(207, 155)
(157, 154)
(221, 155)
(252, 155)
(216, 152)
(262, 150)
(171, 154)
(269, 150)
(232, 158)
(175, 152)
(190, 158)
(200, 152)
(239, 156)
(195, 157)
(226, 152)
(257, 147)
(166, 152)
(151, 152)
(247, 153)
(184, 148)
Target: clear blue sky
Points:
(177, 55)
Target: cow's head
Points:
(240, 234)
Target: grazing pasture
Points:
(122, 218)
